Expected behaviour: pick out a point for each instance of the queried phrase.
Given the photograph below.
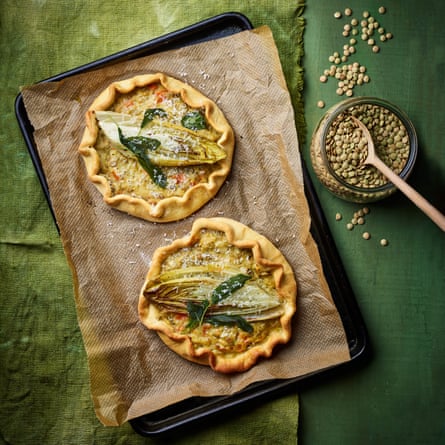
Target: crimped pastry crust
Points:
(188, 189)
(221, 243)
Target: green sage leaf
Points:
(150, 114)
(196, 313)
(230, 320)
(228, 287)
(139, 145)
(194, 120)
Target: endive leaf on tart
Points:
(223, 296)
(177, 146)
(156, 148)
(173, 289)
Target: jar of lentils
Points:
(338, 148)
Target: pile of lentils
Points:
(346, 146)
(364, 29)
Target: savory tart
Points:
(156, 148)
(223, 296)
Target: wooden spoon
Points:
(404, 187)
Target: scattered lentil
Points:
(366, 235)
(320, 104)
(358, 218)
(382, 10)
(363, 28)
(384, 242)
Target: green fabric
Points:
(44, 391)
(398, 398)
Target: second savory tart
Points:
(224, 296)
(156, 148)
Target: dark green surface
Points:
(396, 398)
(44, 390)
(399, 396)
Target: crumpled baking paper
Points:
(131, 371)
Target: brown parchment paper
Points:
(131, 371)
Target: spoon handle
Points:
(410, 193)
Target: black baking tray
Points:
(192, 411)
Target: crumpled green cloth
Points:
(44, 390)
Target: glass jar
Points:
(337, 154)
